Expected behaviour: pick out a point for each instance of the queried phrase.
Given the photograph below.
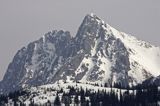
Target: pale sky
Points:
(23, 21)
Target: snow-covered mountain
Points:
(97, 54)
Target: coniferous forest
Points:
(138, 96)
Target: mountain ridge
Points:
(97, 54)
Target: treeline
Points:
(138, 96)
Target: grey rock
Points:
(57, 56)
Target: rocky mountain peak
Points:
(97, 54)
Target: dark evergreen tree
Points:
(87, 103)
(105, 85)
(57, 101)
(72, 91)
(31, 102)
(76, 99)
(82, 95)
(48, 103)
(66, 99)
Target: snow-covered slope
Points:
(135, 59)
(97, 54)
(144, 57)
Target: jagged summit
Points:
(92, 16)
(55, 34)
(97, 54)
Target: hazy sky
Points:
(23, 21)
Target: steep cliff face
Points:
(36, 63)
(97, 54)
